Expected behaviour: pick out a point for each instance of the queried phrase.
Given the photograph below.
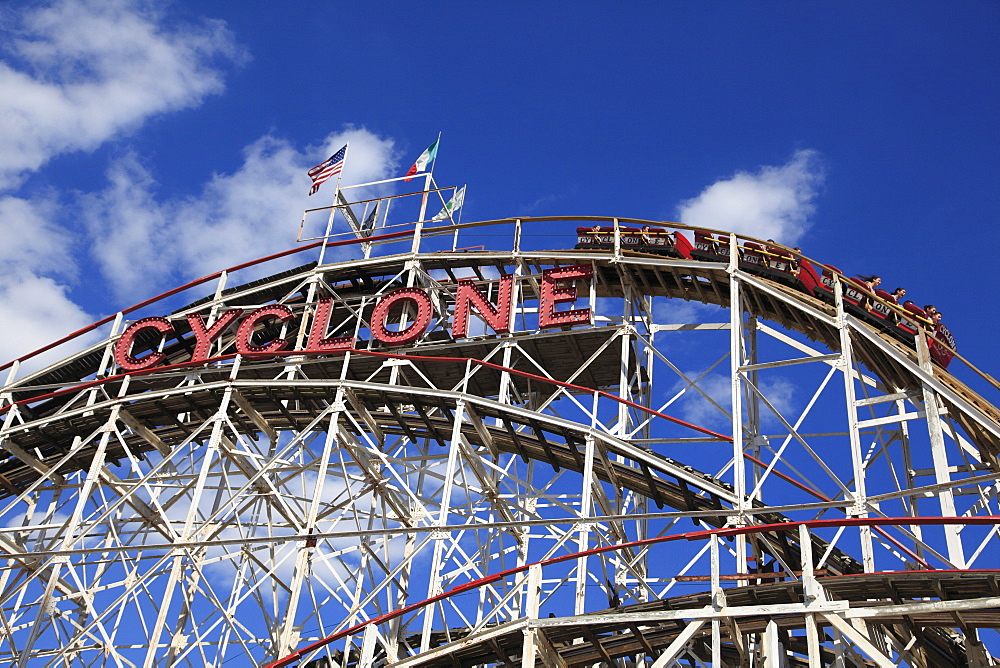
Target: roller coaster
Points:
(591, 441)
(788, 267)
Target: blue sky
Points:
(146, 144)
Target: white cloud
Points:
(76, 73)
(35, 311)
(772, 203)
(780, 393)
(29, 241)
(694, 407)
(255, 211)
(129, 236)
(34, 307)
(87, 70)
(679, 312)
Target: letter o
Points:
(380, 314)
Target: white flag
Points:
(453, 205)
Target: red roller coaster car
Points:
(777, 263)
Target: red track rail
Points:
(198, 281)
(459, 360)
(367, 353)
(691, 536)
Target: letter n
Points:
(469, 295)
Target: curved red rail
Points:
(460, 360)
(198, 281)
(691, 536)
(368, 353)
(152, 300)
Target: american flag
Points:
(324, 170)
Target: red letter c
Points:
(123, 347)
(245, 332)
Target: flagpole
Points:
(458, 222)
(434, 161)
(428, 183)
(333, 208)
(430, 176)
(451, 217)
(340, 175)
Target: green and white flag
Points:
(453, 205)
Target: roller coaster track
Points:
(656, 626)
(241, 504)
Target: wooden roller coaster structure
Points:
(655, 459)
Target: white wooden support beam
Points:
(443, 652)
(363, 413)
(772, 648)
(885, 398)
(482, 430)
(707, 612)
(812, 641)
(547, 652)
(533, 599)
(712, 326)
(368, 646)
(791, 362)
(734, 631)
(860, 495)
(106, 357)
(859, 639)
(254, 415)
(961, 605)
(26, 458)
(736, 359)
(718, 602)
(939, 456)
(678, 644)
(584, 531)
(811, 593)
(142, 430)
(890, 419)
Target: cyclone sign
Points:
(556, 289)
